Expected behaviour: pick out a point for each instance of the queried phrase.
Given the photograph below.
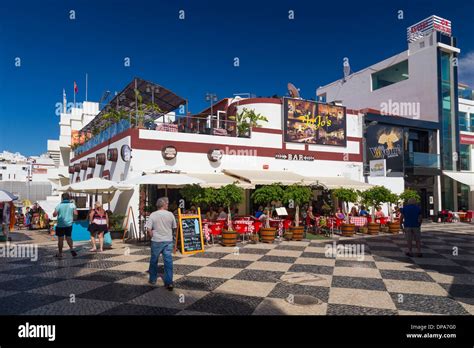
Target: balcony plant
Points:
(295, 195)
(267, 195)
(346, 196)
(246, 120)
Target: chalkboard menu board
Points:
(190, 238)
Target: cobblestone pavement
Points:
(261, 279)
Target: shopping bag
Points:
(107, 240)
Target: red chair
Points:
(383, 220)
(242, 229)
(257, 225)
(469, 216)
(216, 229)
(369, 219)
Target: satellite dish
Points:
(293, 91)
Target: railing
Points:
(465, 128)
(199, 125)
(105, 135)
(421, 159)
(466, 93)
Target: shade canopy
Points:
(6, 196)
(268, 177)
(339, 181)
(48, 206)
(217, 180)
(164, 179)
(466, 178)
(95, 185)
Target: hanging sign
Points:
(169, 152)
(293, 157)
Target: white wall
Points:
(420, 87)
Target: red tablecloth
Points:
(358, 220)
(167, 127)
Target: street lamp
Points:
(211, 97)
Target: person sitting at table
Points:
(339, 214)
(310, 218)
(363, 211)
(396, 212)
(354, 211)
(259, 212)
(379, 213)
(211, 214)
(264, 216)
(222, 214)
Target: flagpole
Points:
(74, 92)
(86, 86)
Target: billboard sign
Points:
(385, 142)
(427, 26)
(309, 122)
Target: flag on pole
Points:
(75, 87)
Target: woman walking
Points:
(99, 222)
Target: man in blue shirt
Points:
(65, 212)
(410, 219)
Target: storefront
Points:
(299, 139)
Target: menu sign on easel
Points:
(190, 237)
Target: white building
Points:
(415, 95)
(207, 146)
(71, 121)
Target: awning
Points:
(340, 181)
(95, 185)
(268, 177)
(217, 180)
(466, 178)
(163, 179)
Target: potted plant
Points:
(229, 196)
(346, 195)
(373, 198)
(393, 225)
(295, 195)
(246, 120)
(265, 195)
(116, 227)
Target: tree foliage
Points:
(409, 193)
(267, 194)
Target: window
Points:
(462, 121)
(390, 75)
(471, 123)
(465, 158)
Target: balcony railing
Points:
(421, 159)
(188, 124)
(199, 125)
(104, 135)
(465, 128)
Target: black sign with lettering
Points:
(190, 237)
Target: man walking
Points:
(410, 219)
(65, 212)
(161, 226)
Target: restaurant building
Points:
(301, 138)
(411, 109)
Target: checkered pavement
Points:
(259, 279)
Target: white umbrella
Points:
(95, 185)
(164, 179)
(6, 196)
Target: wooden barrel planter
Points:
(394, 227)
(298, 232)
(267, 235)
(373, 228)
(347, 230)
(229, 238)
(287, 235)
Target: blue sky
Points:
(194, 55)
